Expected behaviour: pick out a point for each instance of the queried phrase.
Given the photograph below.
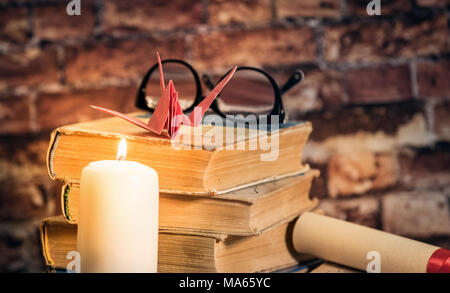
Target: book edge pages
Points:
(315, 173)
(65, 190)
(65, 198)
(54, 137)
(44, 242)
(217, 237)
(305, 168)
(264, 180)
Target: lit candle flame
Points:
(122, 150)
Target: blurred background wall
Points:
(376, 90)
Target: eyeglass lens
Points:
(183, 80)
(248, 92)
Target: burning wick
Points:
(122, 150)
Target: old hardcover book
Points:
(190, 253)
(206, 160)
(246, 211)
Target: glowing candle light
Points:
(118, 223)
(122, 150)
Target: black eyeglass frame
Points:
(277, 109)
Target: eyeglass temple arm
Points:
(295, 78)
(207, 81)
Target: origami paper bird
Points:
(168, 114)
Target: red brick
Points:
(93, 62)
(320, 89)
(380, 40)
(25, 150)
(14, 115)
(383, 119)
(416, 214)
(442, 121)
(360, 172)
(14, 26)
(433, 79)
(359, 8)
(363, 211)
(308, 8)
(65, 107)
(378, 84)
(20, 247)
(425, 168)
(52, 22)
(269, 46)
(24, 191)
(319, 185)
(32, 67)
(433, 2)
(235, 11)
(125, 15)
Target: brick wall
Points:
(377, 91)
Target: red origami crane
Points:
(168, 114)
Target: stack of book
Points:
(221, 209)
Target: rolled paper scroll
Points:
(355, 246)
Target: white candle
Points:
(118, 223)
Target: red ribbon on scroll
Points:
(439, 261)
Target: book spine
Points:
(65, 202)
(54, 137)
(44, 244)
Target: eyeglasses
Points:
(250, 91)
